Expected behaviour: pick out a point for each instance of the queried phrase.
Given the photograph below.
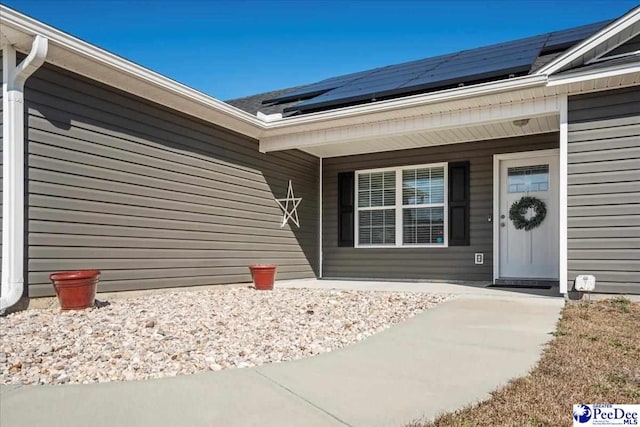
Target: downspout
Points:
(13, 80)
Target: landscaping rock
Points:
(186, 332)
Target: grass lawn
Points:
(594, 358)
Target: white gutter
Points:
(482, 89)
(13, 79)
(72, 45)
(62, 45)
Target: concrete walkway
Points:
(441, 360)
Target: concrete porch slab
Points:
(471, 288)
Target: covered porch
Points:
(421, 190)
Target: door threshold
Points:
(525, 283)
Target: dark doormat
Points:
(524, 284)
(521, 286)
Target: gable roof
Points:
(490, 63)
(613, 35)
(603, 64)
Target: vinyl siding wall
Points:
(152, 197)
(604, 189)
(452, 263)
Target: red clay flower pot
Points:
(76, 290)
(263, 276)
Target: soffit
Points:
(536, 125)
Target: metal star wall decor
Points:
(289, 212)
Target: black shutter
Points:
(346, 200)
(459, 204)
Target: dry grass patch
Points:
(594, 358)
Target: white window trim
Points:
(398, 207)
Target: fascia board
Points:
(392, 106)
(225, 114)
(410, 124)
(25, 24)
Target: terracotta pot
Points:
(76, 290)
(263, 276)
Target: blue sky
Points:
(230, 49)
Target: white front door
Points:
(529, 254)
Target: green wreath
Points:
(520, 208)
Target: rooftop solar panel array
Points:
(567, 38)
(466, 67)
(318, 88)
(462, 67)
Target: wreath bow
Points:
(519, 209)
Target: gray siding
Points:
(152, 197)
(604, 189)
(453, 263)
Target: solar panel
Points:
(317, 88)
(570, 37)
(393, 76)
(381, 81)
(462, 67)
(465, 67)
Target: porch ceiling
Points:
(504, 129)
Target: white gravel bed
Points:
(178, 333)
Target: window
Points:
(524, 179)
(402, 207)
(376, 208)
(423, 206)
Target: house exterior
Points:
(408, 172)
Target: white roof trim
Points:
(591, 43)
(502, 111)
(111, 69)
(603, 58)
(12, 19)
(224, 114)
(581, 76)
(516, 83)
